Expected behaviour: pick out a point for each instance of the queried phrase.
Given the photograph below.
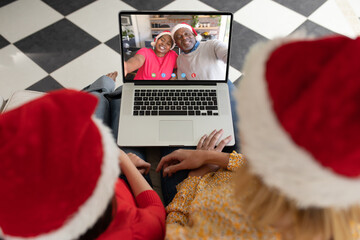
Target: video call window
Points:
(139, 31)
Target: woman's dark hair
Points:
(100, 226)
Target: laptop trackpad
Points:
(174, 131)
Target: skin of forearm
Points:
(218, 158)
(134, 63)
(136, 181)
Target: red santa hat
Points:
(162, 34)
(185, 25)
(299, 105)
(58, 167)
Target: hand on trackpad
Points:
(176, 131)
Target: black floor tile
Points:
(237, 82)
(304, 7)
(313, 29)
(228, 6)
(5, 2)
(66, 7)
(45, 85)
(114, 43)
(148, 5)
(56, 45)
(242, 39)
(3, 42)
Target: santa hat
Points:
(185, 25)
(58, 167)
(162, 34)
(299, 105)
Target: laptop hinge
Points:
(176, 83)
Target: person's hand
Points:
(181, 159)
(194, 159)
(137, 183)
(141, 165)
(209, 142)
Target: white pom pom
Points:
(153, 44)
(198, 37)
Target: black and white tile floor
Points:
(51, 44)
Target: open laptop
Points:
(157, 111)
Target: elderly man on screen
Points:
(199, 60)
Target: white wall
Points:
(143, 32)
(223, 34)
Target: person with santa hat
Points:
(160, 61)
(206, 59)
(299, 175)
(60, 180)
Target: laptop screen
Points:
(175, 46)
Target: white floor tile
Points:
(88, 67)
(330, 16)
(100, 18)
(22, 18)
(17, 71)
(187, 5)
(269, 18)
(234, 74)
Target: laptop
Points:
(157, 110)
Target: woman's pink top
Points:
(154, 67)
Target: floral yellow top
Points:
(204, 208)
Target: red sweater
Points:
(142, 217)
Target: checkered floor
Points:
(51, 44)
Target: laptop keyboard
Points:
(178, 102)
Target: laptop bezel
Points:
(175, 82)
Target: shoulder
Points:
(213, 43)
(144, 51)
(172, 53)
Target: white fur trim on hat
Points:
(160, 35)
(183, 25)
(96, 205)
(272, 154)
